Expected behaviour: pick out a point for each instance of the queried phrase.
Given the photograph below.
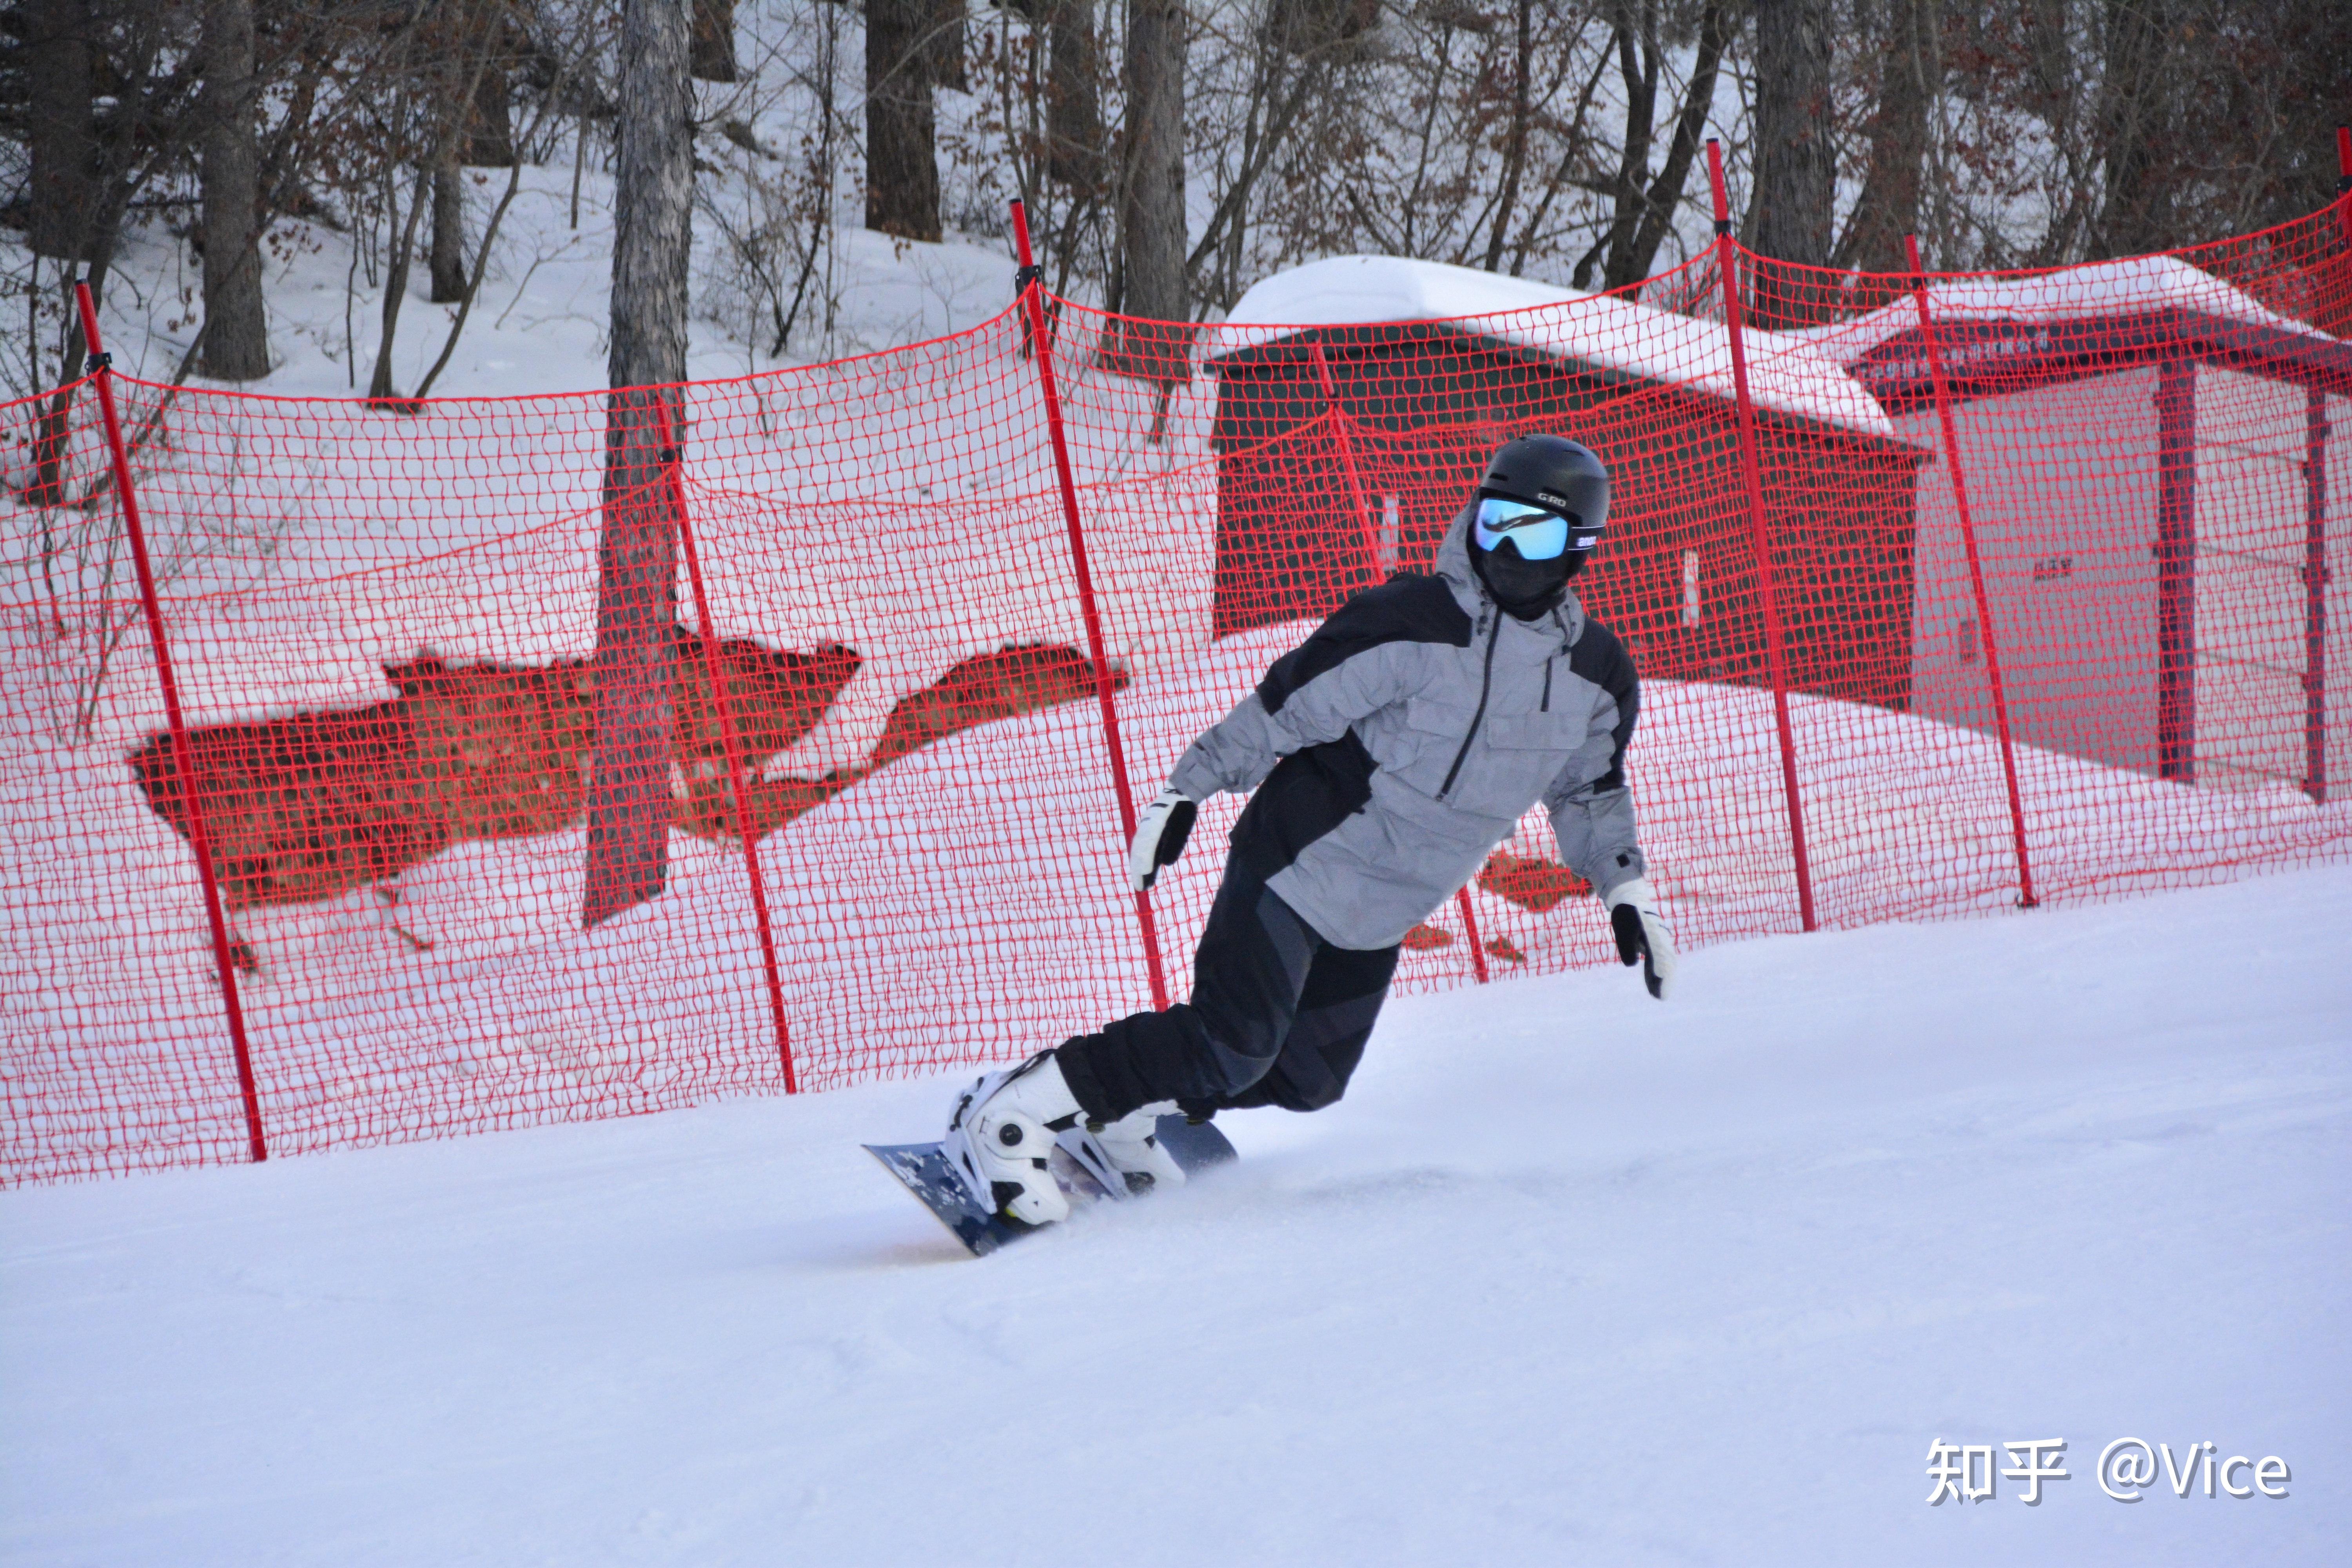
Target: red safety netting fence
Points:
(1947, 595)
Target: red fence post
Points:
(2314, 550)
(2315, 595)
(1470, 930)
(1751, 475)
(2344, 179)
(1340, 437)
(183, 758)
(2175, 570)
(674, 463)
(1033, 294)
(1976, 570)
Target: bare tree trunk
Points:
(1665, 193)
(236, 338)
(902, 165)
(636, 585)
(1274, 108)
(396, 278)
(1634, 37)
(712, 58)
(61, 128)
(1151, 197)
(2315, 59)
(448, 251)
(1644, 207)
(1074, 117)
(1514, 147)
(944, 43)
(1908, 79)
(1793, 212)
(1573, 141)
(2136, 128)
(488, 142)
(113, 196)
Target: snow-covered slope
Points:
(1569, 1276)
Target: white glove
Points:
(1160, 836)
(1642, 934)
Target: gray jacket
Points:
(1401, 743)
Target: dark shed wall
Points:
(1425, 406)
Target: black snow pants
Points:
(1278, 1016)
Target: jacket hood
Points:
(1470, 591)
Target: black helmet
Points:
(1541, 507)
(1557, 473)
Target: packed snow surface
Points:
(1786, 372)
(1569, 1276)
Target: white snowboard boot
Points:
(1126, 1156)
(1001, 1134)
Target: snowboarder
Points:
(1390, 753)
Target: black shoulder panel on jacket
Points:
(1412, 607)
(1308, 793)
(1601, 659)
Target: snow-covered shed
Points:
(2159, 470)
(1432, 366)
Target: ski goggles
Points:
(1536, 533)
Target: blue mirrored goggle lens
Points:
(1535, 533)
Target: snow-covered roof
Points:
(1785, 372)
(2100, 292)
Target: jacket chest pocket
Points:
(1517, 756)
(1433, 734)
(1541, 731)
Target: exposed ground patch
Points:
(308, 806)
(1532, 884)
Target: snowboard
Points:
(925, 1171)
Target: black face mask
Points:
(1525, 589)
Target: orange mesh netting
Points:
(383, 625)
